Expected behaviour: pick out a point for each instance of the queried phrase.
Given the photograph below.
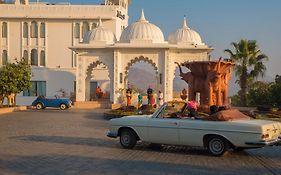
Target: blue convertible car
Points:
(42, 102)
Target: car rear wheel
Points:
(128, 139)
(39, 106)
(217, 146)
(62, 106)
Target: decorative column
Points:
(168, 77)
(80, 80)
(115, 81)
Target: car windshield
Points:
(168, 109)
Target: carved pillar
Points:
(168, 77)
(80, 79)
(116, 77)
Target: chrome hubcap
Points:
(125, 139)
(216, 145)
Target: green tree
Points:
(15, 78)
(260, 94)
(249, 64)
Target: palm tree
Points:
(249, 64)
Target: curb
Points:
(6, 110)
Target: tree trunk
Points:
(243, 86)
(1, 100)
(11, 99)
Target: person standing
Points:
(139, 100)
(160, 98)
(129, 96)
(149, 95)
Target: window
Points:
(38, 88)
(85, 28)
(77, 30)
(121, 78)
(34, 29)
(4, 30)
(4, 57)
(42, 30)
(34, 57)
(42, 58)
(25, 30)
(25, 55)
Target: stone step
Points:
(93, 105)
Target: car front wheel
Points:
(217, 146)
(39, 106)
(62, 106)
(128, 139)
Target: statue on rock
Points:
(129, 95)
(209, 79)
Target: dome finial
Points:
(142, 17)
(100, 22)
(184, 24)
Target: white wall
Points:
(56, 79)
(59, 38)
(14, 37)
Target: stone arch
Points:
(88, 72)
(138, 59)
(92, 66)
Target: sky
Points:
(219, 22)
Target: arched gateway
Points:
(140, 41)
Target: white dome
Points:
(99, 34)
(142, 30)
(185, 35)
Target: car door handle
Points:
(174, 123)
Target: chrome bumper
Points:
(265, 143)
(112, 135)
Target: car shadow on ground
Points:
(73, 164)
(108, 143)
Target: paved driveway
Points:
(52, 142)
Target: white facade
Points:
(71, 46)
(140, 41)
(43, 33)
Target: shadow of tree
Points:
(66, 164)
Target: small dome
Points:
(99, 34)
(185, 35)
(142, 30)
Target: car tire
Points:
(128, 139)
(63, 106)
(39, 106)
(217, 146)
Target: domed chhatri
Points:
(142, 30)
(99, 35)
(185, 35)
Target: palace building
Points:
(75, 48)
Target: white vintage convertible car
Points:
(170, 125)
